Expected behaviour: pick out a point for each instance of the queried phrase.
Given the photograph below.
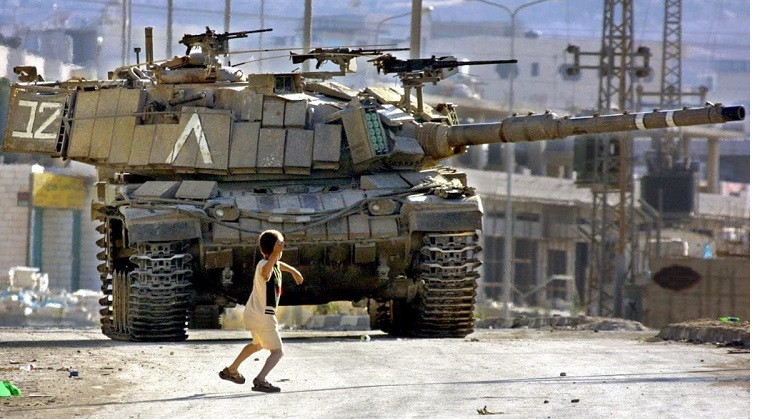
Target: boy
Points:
(260, 315)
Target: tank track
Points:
(160, 292)
(109, 323)
(146, 298)
(447, 297)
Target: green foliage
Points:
(328, 308)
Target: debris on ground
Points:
(563, 374)
(484, 411)
(574, 400)
(563, 323)
(27, 301)
(7, 389)
(735, 334)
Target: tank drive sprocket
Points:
(444, 305)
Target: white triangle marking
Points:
(195, 126)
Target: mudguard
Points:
(148, 225)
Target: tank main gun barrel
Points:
(439, 140)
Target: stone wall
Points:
(57, 231)
(723, 289)
(14, 218)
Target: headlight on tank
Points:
(225, 213)
(383, 207)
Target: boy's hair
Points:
(267, 240)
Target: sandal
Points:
(264, 386)
(236, 378)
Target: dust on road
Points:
(523, 373)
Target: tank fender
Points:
(160, 224)
(431, 213)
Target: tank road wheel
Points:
(445, 305)
(205, 316)
(160, 291)
(387, 317)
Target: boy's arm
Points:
(294, 272)
(274, 257)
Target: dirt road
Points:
(522, 373)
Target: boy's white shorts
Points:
(264, 329)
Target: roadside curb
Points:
(338, 322)
(725, 335)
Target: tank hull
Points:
(385, 242)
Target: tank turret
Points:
(197, 158)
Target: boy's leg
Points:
(245, 353)
(270, 340)
(271, 361)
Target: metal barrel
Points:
(549, 126)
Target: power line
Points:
(219, 12)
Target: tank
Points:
(195, 159)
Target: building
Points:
(550, 256)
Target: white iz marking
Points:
(192, 126)
(670, 119)
(34, 109)
(639, 121)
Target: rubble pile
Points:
(26, 300)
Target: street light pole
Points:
(508, 271)
(426, 9)
(512, 13)
(307, 22)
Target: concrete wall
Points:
(57, 253)
(57, 231)
(14, 219)
(724, 290)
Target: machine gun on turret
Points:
(213, 43)
(417, 71)
(342, 56)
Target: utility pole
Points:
(613, 236)
(227, 14)
(123, 31)
(416, 29)
(307, 22)
(227, 22)
(169, 29)
(128, 27)
(262, 24)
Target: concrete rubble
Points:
(708, 331)
(26, 300)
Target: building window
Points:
(535, 69)
(556, 262)
(506, 71)
(524, 269)
(528, 216)
(495, 160)
(494, 266)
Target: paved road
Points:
(517, 372)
